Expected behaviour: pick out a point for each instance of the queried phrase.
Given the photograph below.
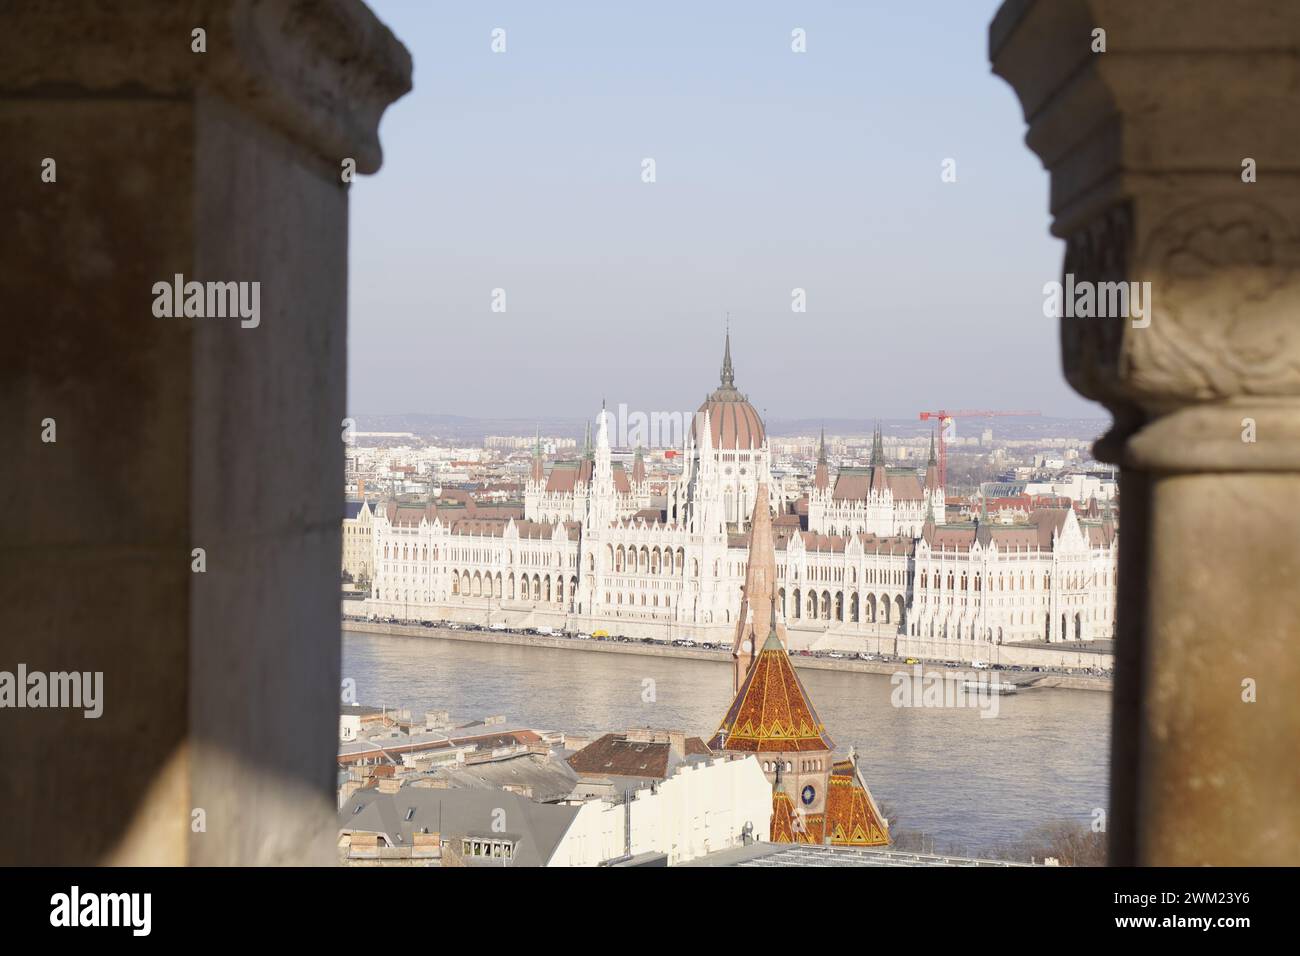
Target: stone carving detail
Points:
(1091, 349)
(1225, 281)
(1225, 307)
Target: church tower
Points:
(815, 799)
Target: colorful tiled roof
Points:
(794, 826)
(851, 815)
(850, 818)
(771, 712)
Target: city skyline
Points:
(921, 294)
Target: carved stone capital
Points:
(1142, 192)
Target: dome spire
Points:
(728, 374)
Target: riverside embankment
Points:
(1023, 679)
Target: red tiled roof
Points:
(615, 755)
(621, 483)
(854, 484)
(906, 487)
(567, 475)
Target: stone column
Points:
(217, 156)
(1149, 144)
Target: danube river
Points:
(970, 781)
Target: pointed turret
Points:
(822, 479)
(539, 469)
(638, 467)
(927, 529)
(602, 429)
(757, 616)
(879, 471)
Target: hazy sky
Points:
(775, 170)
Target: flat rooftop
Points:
(795, 854)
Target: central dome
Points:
(734, 423)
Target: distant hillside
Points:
(460, 428)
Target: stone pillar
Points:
(220, 688)
(1145, 143)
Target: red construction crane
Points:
(945, 431)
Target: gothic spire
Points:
(933, 460)
(879, 473)
(539, 468)
(728, 374)
(822, 476)
(877, 448)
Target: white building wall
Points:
(701, 809)
(683, 579)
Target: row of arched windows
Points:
(645, 560)
(543, 588)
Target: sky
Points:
(774, 171)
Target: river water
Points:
(971, 782)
